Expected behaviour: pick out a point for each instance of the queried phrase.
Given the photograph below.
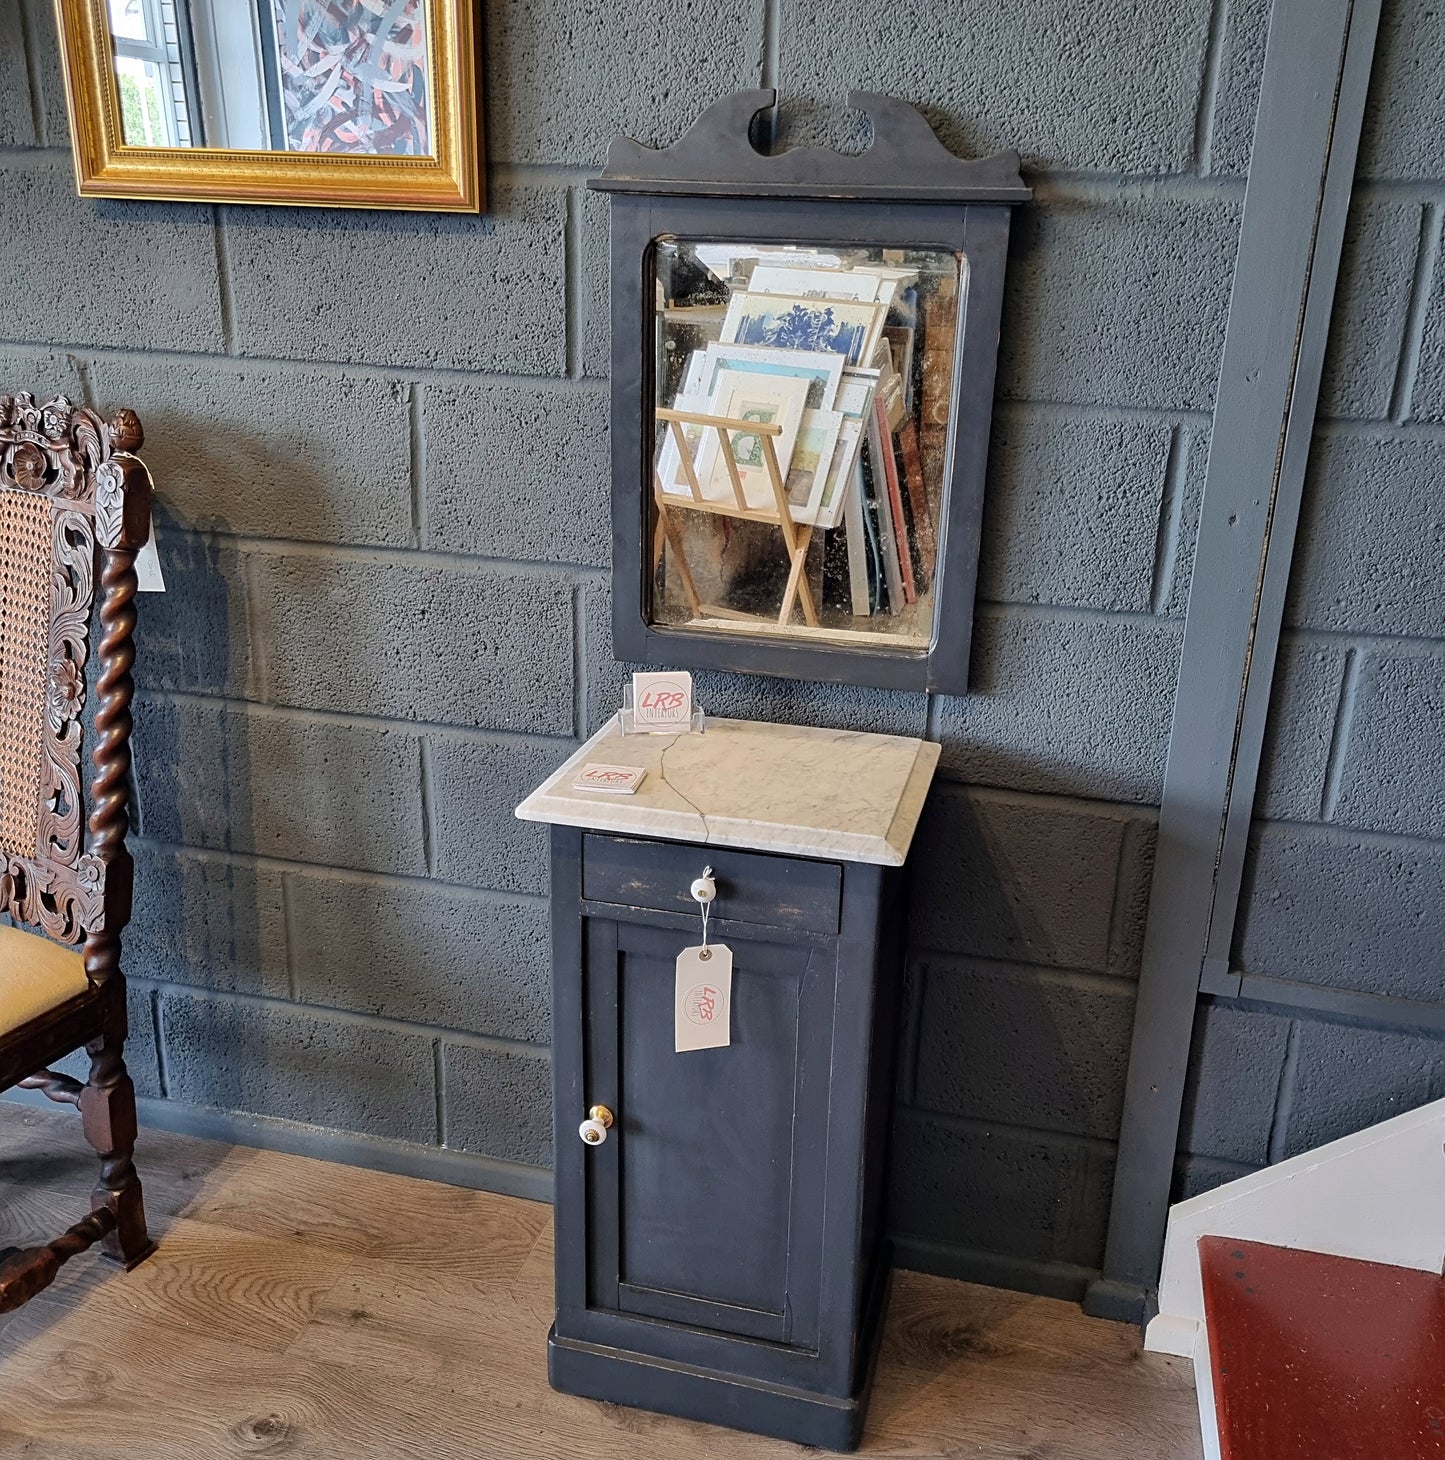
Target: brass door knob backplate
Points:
(594, 1129)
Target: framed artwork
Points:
(344, 103)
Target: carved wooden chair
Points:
(74, 502)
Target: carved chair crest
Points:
(74, 510)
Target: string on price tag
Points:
(703, 985)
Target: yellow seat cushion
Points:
(36, 976)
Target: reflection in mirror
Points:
(822, 521)
(332, 76)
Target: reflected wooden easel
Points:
(796, 536)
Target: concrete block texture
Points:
(1427, 396)
(745, 696)
(207, 920)
(44, 373)
(32, 107)
(234, 778)
(1346, 910)
(196, 635)
(486, 647)
(46, 81)
(1233, 1084)
(427, 955)
(1393, 773)
(1195, 1175)
(17, 117)
(1371, 549)
(996, 1189)
(1071, 705)
(552, 500)
(498, 1102)
(1118, 298)
(594, 295)
(1027, 1047)
(1179, 523)
(1300, 730)
(1347, 1079)
(1072, 512)
(273, 452)
(1406, 112)
(140, 276)
(1137, 851)
(407, 289)
(1236, 99)
(140, 1045)
(1028, 880)
(1371, 309)
(642, 71)
(274, 1059)
(1115, 94)
(475, 786)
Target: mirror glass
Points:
(332, 76)
(823, 522)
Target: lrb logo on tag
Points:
(703, 998)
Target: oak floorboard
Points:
(295, 1197)
(298, 1308)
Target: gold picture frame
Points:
(106, 166)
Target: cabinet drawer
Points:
(752, 887)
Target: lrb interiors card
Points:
(620, 780)
(662, 700)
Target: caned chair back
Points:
(74, 510)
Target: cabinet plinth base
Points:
(641, 1382)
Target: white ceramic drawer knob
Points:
(594, 1129)
(704, 889)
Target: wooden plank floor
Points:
(297, 1308)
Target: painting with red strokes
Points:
(354, 75)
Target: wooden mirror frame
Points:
(905, 191)
(106, 167)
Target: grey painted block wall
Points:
(383, 626)
(1344, 895)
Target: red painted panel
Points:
(1323, 1358)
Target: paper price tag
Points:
(148, 576)
(703, 998)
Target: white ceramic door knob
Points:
(594, 1129)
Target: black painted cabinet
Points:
(720, 1253)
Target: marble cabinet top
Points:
(746, 783)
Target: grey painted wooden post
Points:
(1312, 100)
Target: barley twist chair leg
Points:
(107, 1109)
(24, 1272)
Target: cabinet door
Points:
(705, 1207)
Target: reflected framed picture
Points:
(349, 103)
(845, 326)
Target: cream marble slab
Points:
(747, 783)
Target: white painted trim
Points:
(1167, 1333)
(1204, 1394)
(1377, 1196)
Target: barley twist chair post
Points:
(74, 512)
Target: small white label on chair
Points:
(703, 1016)
(662, 701)
(148, 577)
